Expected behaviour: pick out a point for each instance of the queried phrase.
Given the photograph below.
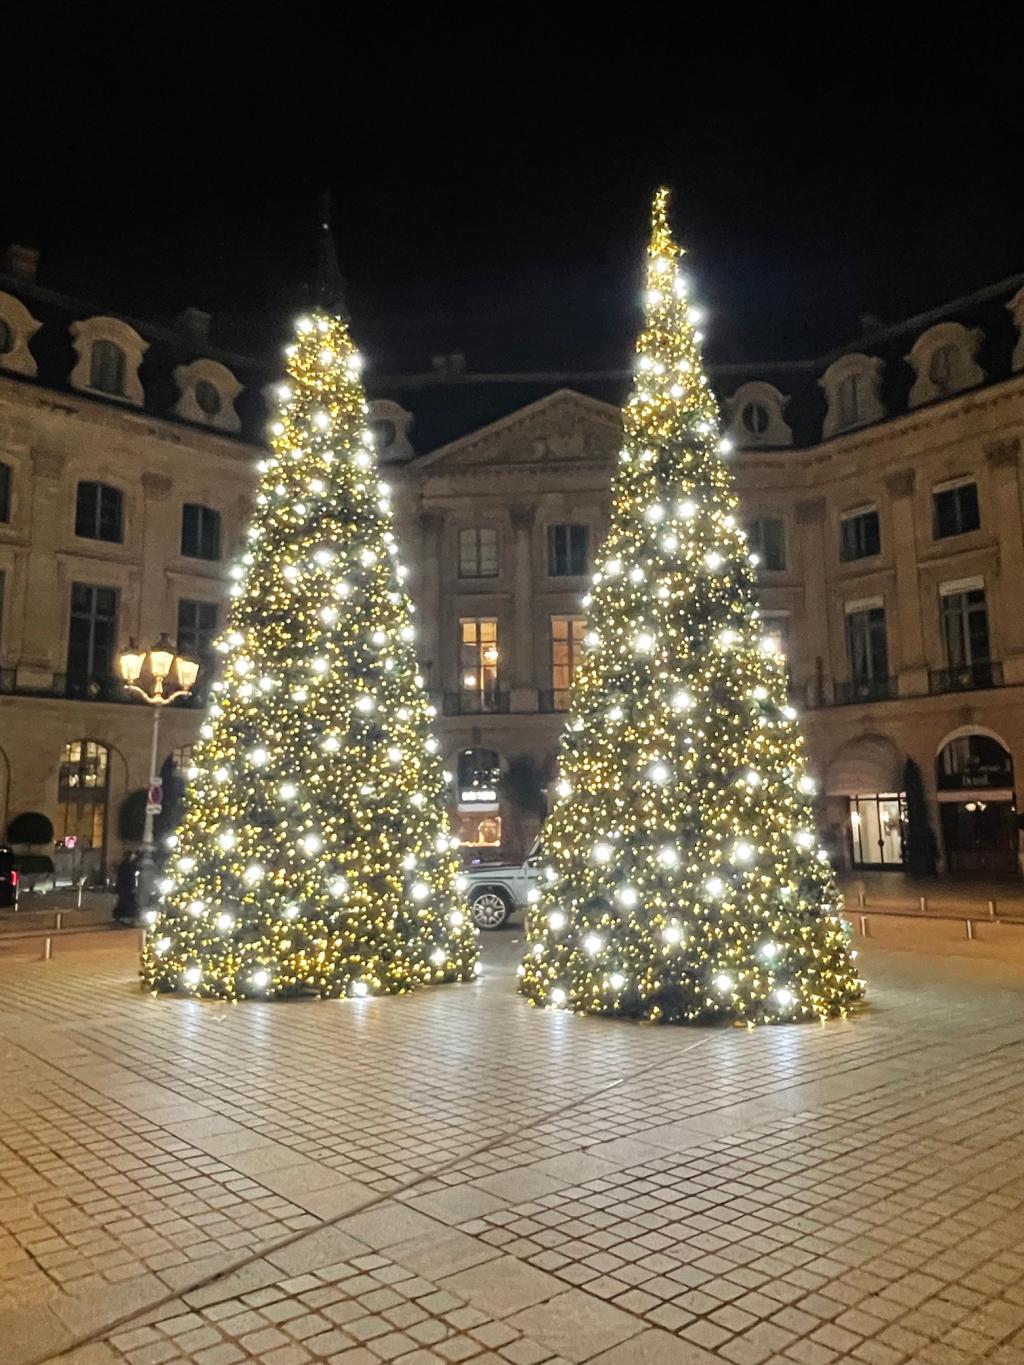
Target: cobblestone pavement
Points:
(455, 1176)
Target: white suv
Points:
(497, 890)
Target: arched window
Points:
(974, 763)
(942, 367)
(106, 368)
(849, 393)
(852, 387)
(6, 337)
(755, 418)
(82, 794)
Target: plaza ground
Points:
(455, 1176)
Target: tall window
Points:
(99, 512)
(566, 648)
(867, 650)
(955, 510)
(5, 492)
(197, 625)
(106, 367)
(92, 634)
(200, 531)
(850, 400)
(942, 366)
(478, 552)
(82, 793)
(478, 661)
(775, 633)
(567, 550)
(859, 534)
(767, 539)
(965, 629)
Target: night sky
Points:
(491, 182)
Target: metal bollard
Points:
(47, 948)
(865, 931)
(924, 905)
(970, 929)
(992, 909)
(860, 898)
(59, 920)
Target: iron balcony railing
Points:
(86, 689)
(471, 702)
(864, 689)
(965, 677)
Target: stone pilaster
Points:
(810, 518)
(1008, 517)
(913, 666)
(521, 673)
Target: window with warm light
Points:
(478, 662)
(566, 650)
(82, 794)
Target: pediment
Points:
(564, 428)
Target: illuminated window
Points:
(478, 552)
(478, 663)
(478, 773)
(566, 648)
(82, 794)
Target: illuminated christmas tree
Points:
(686, 881)
(314, 856)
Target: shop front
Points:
(977, 805)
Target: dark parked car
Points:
(8, 879)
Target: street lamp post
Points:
(162, 660)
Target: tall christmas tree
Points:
(686, 880)
(314, 856)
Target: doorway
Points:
(877, 825)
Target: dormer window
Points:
(17, 327)
(106, 368)
(206, 395)
(943, 361)
(389, 422)
(756, 416)
(109, 355)
(852, 387)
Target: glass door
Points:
(876, 829)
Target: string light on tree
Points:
(315, 857)
(686, 882)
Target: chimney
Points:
(21, 261)
(194, 324)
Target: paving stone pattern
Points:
(455, 1176)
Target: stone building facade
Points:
(880, 486)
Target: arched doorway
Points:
(476, 819)
(974, 777)
(863, 788)
(83, 798)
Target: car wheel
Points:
(490, 908)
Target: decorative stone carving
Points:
(390, 424)
(17, 328)
(563, 428)
(206, 394)
(89, 333)
(810, 510)
(1016, 310)
(755, 416)
(943, 359)
(853, 389)
(1005, 452)
(900, 482)
(156, 486)
(48, 464)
